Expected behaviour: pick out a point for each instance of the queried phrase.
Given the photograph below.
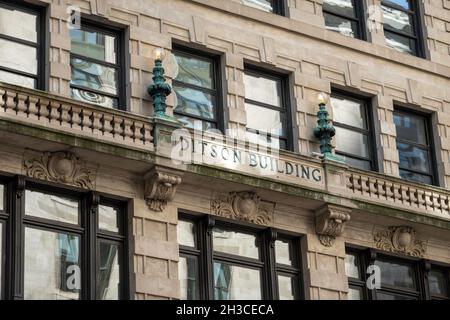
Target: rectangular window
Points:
(73, 245)
(267, 109)
(225, 262)
(351, 119)
(414, 147)
(196, 87)
(21, 45)
(274, 6)
(345, 17)
(402, 25)
(97, 66)
(439, 283)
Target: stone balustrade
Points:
(67, 115)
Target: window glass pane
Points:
(16, 79)
(343, 26)
(236, 283)
(438, 280)
(352, 265)
(342, 7)
(349, 112)
(357, 163)
(93, 45)
(398, 20)
(1, 260)
(411, 127)
(286, 288)
(413, 158)
(195, 123)
(186, 233)
(405, 4)
(264, 119)
(108, 218)
(188, 275)
(263, 139)
(397, 274)
(352, 142)
(194, 71)
(283, 252)
(18, 56)
(400, 43)
(93, 76)
(262, 89)
(52, 266)
(18, 24)
(354, 294)
(266, 5)
(109, 272)
(237, 243)
(51, 207)
(194, 102)
(413, 176)
(391, 296)
(2, 197)
(95, 98)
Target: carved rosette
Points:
(401, 240)
(244, 206)
(61, 167)
(160, 187)
(330, 222)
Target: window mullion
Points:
(207, 263)
(90, 215)
(269, 237)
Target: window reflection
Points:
(109, 272)
(108, 218)
(438, 282)
(236, 283)
(342, 16)
(265, 5)
(286, 288)
(188, 274)
(2, 197)
(236, 243)
(396, 274)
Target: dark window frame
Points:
(40, 45)
(360, 12)
(417, 27)
(421, 269)
(285, 105)
(90, 235)
(266, 237)
(119, 66)
(216, 72)
(369, 132)
(430, 140)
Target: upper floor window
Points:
(275, 6)
(345, 17)
(353, 130)
(223, 262)
(402, 25)
(196, 87)
(267, 109)
(97, 66)
(414, 147)
(21, 45)
(73, 245)
(401, 279)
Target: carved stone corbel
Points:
(330, 221)
(160, 187)
(401, 240)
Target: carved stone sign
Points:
(61, 167)
(245, 206)
(402, 240)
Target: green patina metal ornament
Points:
(159, 90)
(325, 131)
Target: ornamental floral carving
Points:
(160, 187)
(244, 206)
(401, 240)
(61, 167)
(330, 222)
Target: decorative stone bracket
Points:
(61, 167)
(330, 221)
(245, 206)
(401, 240)
(160, 187)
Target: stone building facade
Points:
(331, 219)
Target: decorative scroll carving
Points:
(245, 206)
(160, 187)
(61, 167)
(330, 222)
(400, 240)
